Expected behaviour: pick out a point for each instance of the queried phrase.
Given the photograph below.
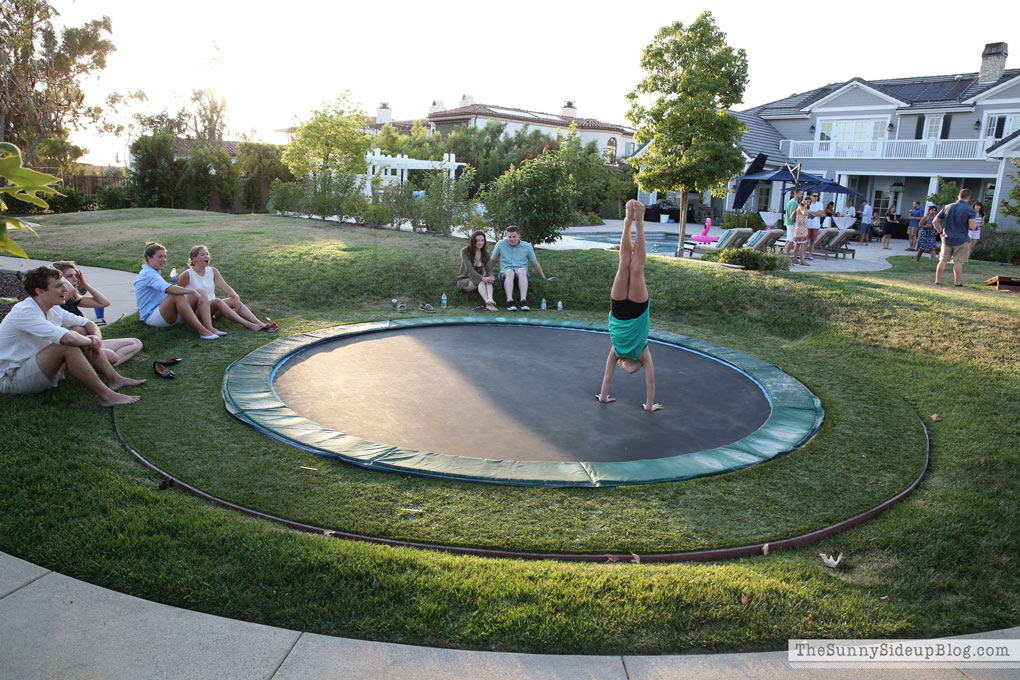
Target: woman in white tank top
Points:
(201, 277)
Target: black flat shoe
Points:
(162, 371)
(169, 362)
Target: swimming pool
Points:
(658, 242)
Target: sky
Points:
(276, 63)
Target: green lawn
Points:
(877, 348)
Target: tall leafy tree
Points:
(333, 139)
(41, 71)
(1013, 209)
(536, 197)
(259, 164)
(692, 77)
(208, 125)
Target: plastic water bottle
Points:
(173, 275)
(543, 303)
(559, 305)
(444, 301)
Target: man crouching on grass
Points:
(38, 340)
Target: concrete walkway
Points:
(866, 258)
(54, 626)
(117, 286)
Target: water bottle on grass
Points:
(559, 305)
(543, 303)
(173, 275)
(443, 301)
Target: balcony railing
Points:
(904, 149)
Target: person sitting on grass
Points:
(629, 317)
(514, 256)
(476, 270)
(38, 340)
(204, 279)
(117, 350)
(162, 304)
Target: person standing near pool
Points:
(514, 256)
(629, 317)
(789, 218)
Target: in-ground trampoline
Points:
(511, 401)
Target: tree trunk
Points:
(682, 221)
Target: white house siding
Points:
(856, 97)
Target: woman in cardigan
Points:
(476, 271)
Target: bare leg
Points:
(522, 282)
(52, 357)
(180, 306)
(242, 311)
(221, 308)
(120, 350)
(958, 272)
(638, 290)
(621, 284)
(508, 286)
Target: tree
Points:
(40, 73)
(948, 192)
(536, 197)
(694, 77)
(1013, 209)
(207, 125)
(259, 164)
(332, 140)
(157, 179)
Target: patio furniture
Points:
(839, 245)
(824, 236)
(766, 240)
(731, 238)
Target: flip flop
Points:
(162, 371)
(481, 308)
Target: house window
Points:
(999, 125)
(851, 138)
(933, 127)
(611, 150)
(762, 195)
(628, 149)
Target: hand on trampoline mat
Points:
(655, 407)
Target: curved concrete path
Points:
(54, 626)
(116, 285)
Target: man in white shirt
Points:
(38, 340)
(817, 212)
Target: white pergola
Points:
(395, 168)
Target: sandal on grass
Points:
(162, 371)
(169, 362)
(426, 307)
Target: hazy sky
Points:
(276, 62)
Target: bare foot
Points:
(607, 400)
(119, 400)
(116, 385)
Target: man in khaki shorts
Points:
(38, 340)
(955, 222)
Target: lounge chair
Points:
(824, 236)
(839, 245)
(766, 240)
(731, 238)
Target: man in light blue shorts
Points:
(514, 256)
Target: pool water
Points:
(654, 243)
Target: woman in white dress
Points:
(201, 277)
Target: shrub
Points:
(403, 205)
(446, 203)
(732, 219)
(285, 197)
(748, 258)
(112, 198)
(377, 215)
(535, 197)
(998, 246)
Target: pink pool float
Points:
(703, 237)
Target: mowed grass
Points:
(874, 347)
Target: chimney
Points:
(993, 62)
(569, 110)
(437, 106)
(466, 100)
(382, 114)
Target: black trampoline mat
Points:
(517, 393)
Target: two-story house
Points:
(613, 140)
(891, 139)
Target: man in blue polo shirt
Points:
(514, 256)
(915, 225)
(955, 222)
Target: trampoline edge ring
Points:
(249, 395)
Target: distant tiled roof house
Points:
(614, 140)
(182, 148)
(891, 139)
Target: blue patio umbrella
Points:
(787, 173)
(829, 187)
